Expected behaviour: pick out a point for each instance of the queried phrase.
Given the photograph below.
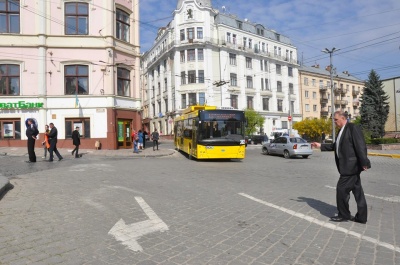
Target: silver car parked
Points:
(288, 147)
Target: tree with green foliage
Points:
(374, 108)
(254, 121)
(313, 128)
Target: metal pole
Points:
(332, 94)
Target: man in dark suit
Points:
(76, 140)
(31, 133)
(351, 159)
(53, 143)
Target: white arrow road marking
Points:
(324, 223)
(389, 199)
(129, 234)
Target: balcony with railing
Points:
(343, 90)
(356, 102)
(323, 88)
(356, 91)
(324, 99)
(340, 102)
(324, 112)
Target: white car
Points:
(288, 147)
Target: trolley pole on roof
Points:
(220, 84)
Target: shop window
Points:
(9, 79)
(76, 18)
(123, 82)
(9, 16)
(76, 79)
(10, 129)
(82, 123)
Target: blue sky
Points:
(366, 31)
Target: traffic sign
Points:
(289, 118)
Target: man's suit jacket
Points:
(352, 151)
(31, 130)
(53, 135)
(76, 140)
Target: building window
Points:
(280, 105)
(82, 123)
(307, 107)
(249, 83)
(76, 18)
(183, 101)
(123, 82)
(313, 82)
(233, 79)
(306, 81)
(292, 105)
(165, 84)
(166, 104)
(123, 25)
(183, 78)
(279, 86)
(234, 101)
(201, 76)
(306, 93)
(9, 16)
(266, 84)
(182, 56)
(159, 88)
(192, 99)
(261, 65)
(199, 33)
(262, 83)
(244, 42)
(190, 33)
(284, 124)
(76, 79)
(314, 108)
(314, 95)
(9, 80)
(232, 59)
(250, 102)
(191, 77)
(291, 90)
(265, 102)
(200, 54)
(248, 62)
(191, 54)
(202, 98)
(278, 69)
(228, 37)
(239, 24)
(159, 108)
(321, 83)
(10, 129)
(182, 33)
(290, 71)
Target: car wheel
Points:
(265, 151)
(286, 154)
(305, 156)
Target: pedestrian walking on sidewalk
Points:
(53, 143)
(351, 159)
(140, 139)
(144, 138)
(45, 143)
(155, 136)
(76, 140)
(135, 141)
(31, 133)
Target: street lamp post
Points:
(332, 92)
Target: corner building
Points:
(73, 63)
(204, 56)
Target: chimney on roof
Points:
(328, 68)
(316, 66)
(346, 73)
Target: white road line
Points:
(324, 223)
(389, 199)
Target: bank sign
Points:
(20, 105)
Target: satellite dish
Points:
(223, 9)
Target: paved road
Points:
(170, 210)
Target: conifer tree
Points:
(374, 108)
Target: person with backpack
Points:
(135, 141)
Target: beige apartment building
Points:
(392, 88)
(315, 91)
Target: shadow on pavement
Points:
(324, 208)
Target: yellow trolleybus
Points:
(205, 132)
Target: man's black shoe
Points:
(338, 219)
(29, 161)
(354, 219)
(60, 159)
(72, 153)
(48, 160)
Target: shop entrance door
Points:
(124, 134)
